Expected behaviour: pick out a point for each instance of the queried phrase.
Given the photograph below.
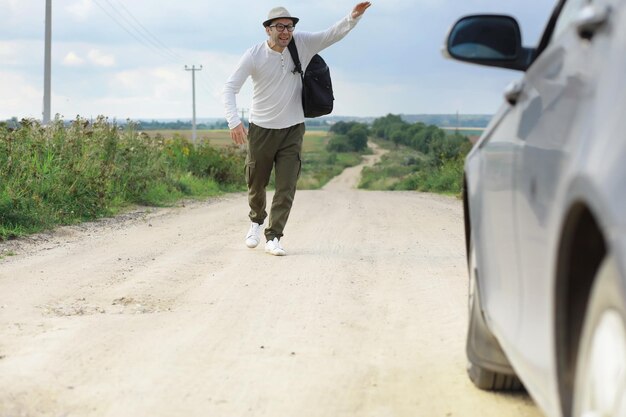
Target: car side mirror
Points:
(491, 40)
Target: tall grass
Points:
(403, 168)
(65, 174)
(446, 178)
(68, 173)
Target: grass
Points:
(395, 165)
(403, 168)
(466, 131)
(62, 175)
(216, 138)
(318, 165)
(314, 140)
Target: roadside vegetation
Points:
(421, 157)
(66, 174)
(329, 154)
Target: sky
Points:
(125, 59)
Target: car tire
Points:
(488, 368)
(600, 381)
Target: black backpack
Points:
(317, 88)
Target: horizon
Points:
(218, 118)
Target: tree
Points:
(383, 127)
(340, 128)
(357, 137)
(398, 137)
(339, 143)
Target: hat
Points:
(279, 13)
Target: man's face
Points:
(283, 38)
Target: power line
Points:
(131, 33)
(156, 40)
(208, 86)
(124, 18)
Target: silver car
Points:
(545, 211)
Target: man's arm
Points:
(238, 132)
(318, 41)
(359, 9)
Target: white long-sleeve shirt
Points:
(277, 90)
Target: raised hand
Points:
(360, 8)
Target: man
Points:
(276, 119)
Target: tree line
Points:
(428, 139)
(432, 141)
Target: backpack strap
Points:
(294, 55)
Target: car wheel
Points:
(600, 385)
(488, 367)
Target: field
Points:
(319, 166)
(314, 140)
(467, 131)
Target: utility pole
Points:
(193, 70)
(47, 64)
(243, 114)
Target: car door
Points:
(496, 232)
(558, 89)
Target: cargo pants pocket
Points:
(299, 165)
(249, 172)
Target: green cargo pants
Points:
(268, 149)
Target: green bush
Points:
(64, 174)
(357, 137)
(339, 143)
(437, 168)
(348, 137)
(225, 166)
(447, 178)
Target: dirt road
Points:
(166, 313)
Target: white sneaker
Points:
(254, 235)
(273, 247)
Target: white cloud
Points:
(22, 99)
(9, 53)
(100, 59)
(155, 84)
(356, 98)
(80, 10)
(73, 60)
(129, 80)
(166, 74)
(9, 5)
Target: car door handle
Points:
(590, 19)
(513, 91)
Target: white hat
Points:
(279, 13)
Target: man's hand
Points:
(238, 134)
(360, 8)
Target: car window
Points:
(567, 16)
(563, 15)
